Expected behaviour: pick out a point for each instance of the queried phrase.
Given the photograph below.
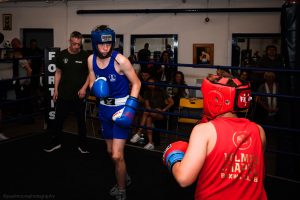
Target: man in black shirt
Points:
(70, 85)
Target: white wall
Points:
(191, 28)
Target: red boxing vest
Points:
(235, 168)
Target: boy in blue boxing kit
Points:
(111, 75)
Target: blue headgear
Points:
(102, 36)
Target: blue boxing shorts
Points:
(110, 130)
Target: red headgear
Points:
(224, 94)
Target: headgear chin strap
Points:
(103, 36)
(224, 94)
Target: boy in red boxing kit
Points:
(226, 154)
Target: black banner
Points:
(50, 68)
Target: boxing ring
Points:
(28, 172)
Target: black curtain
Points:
(288, 166)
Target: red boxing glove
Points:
(174, 153)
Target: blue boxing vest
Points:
(118, 84)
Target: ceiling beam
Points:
(175, 11)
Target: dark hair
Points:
(76, 34)
(271, 47)
(182, 76)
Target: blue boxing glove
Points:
(124, 116)
(174, 153)
(100, 87)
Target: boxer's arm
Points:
(124, 66)
(187, 171)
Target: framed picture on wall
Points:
(7, 21)
(203, 54)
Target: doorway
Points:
(44, 37)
